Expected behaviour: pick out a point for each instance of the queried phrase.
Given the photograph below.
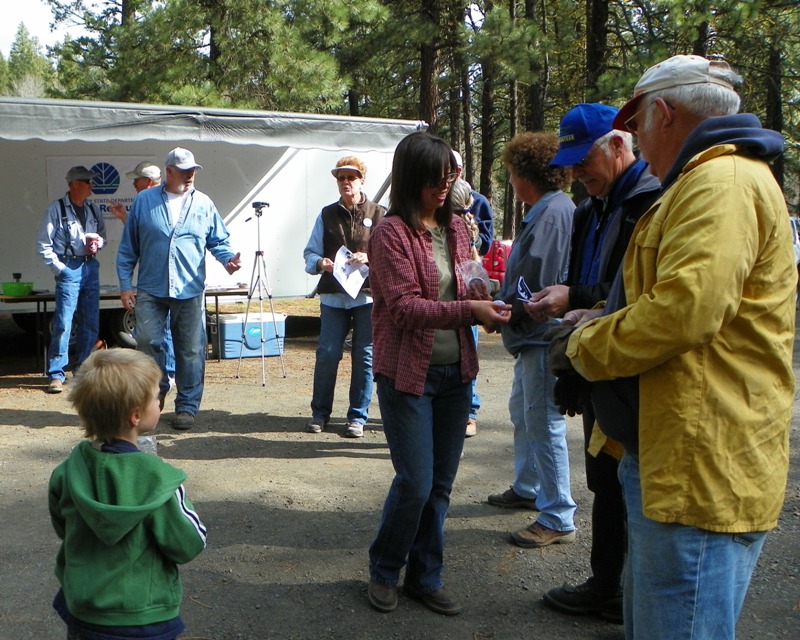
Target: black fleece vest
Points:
(346, 227)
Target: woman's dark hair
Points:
(528, 155)
(420, 160)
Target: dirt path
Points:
(290, 516)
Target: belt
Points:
(85, 258)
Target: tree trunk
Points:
(488, 129)
(467, 151)
(458, 70)
(534, 115)
(429, 68)
(352, 102)
(774, 111)
(596, 45)
(127, 12)
(701, 42)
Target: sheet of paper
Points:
(351, 276)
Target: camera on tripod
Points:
(259, 209)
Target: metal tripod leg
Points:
(260, 283)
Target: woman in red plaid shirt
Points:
(424, 360)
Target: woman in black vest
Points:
(344, 225)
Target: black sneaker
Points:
(584, 600)
(183, 421)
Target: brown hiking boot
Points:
(536, 535)
(382, 597)
(510, 499)
(472, 428)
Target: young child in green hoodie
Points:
(122, 515)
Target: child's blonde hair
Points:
(110, 385)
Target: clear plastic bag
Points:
(477, 280)
(147, 444)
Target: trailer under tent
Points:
(281, 159)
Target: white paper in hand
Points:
(350, 275)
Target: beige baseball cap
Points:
(144, 169)
(676, 71)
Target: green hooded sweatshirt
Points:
(125, 525)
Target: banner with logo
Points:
(110, 186)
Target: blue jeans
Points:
(425, 435)
(334, 325)
(169, 350)
(77, 294)
(476, 399)
(187, 319)
(681, 582)
(541, 458)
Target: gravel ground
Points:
(290, 515)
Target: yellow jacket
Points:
(710, 281)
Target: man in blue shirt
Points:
(171, 227)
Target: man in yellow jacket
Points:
(694, 354)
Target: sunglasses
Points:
(342, 178)
(631, 123)
(447, 180)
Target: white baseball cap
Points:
(181, 158)
(346, 167)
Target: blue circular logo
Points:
(107, 180)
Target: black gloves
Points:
(571, 391)
(571, 394)
(559, 338)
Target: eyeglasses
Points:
(342, 178)
(447, 180)
(631, 123)
(587, 159)
(85, 181)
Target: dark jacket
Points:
(351, 228)
(628, 200)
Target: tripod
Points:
(260, 283)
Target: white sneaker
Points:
(354, 430)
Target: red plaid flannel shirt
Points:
(406, 308)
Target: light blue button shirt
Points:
(171, 260)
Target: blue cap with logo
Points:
(580, 128)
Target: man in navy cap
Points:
(70, 254)
(167, 233)
(620, 190)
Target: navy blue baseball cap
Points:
(580, 128)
